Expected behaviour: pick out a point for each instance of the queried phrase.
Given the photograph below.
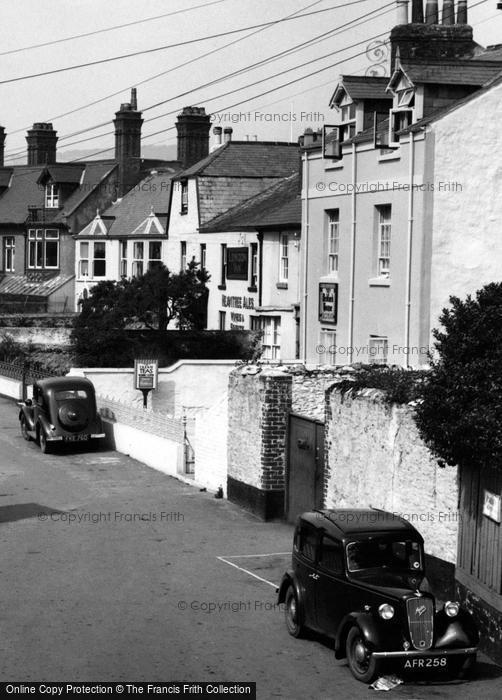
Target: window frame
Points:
(183, 256)
(384, 240)
(123, 262)
(51, 196)
(333, 240)
(253, 266)
(138, 260)
(184, 196)
(38, 241)
(376, 341)
(9, 253)
(283, 258)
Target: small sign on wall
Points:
(145, 374)
(492, 506)
(237, 263)
(328, 302)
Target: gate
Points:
(305, 466)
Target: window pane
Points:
(51, 253)
(99, 250)
(138, 251)
(155, 248)
(84, 250)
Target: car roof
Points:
(62, 383)
(345, 522)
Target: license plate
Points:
(76, 438)
(439, 663)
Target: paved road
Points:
(111, 571)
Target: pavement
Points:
(112, 571)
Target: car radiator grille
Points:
(421, 622)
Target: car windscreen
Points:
(70, 394)
(391, 553)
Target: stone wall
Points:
(376, 458)
(309, 388)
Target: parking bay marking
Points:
(249, 556)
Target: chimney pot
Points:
(402, 11)
(227, 132)
(417, 12)
(134, 99)
(462, 12)
(448, 12)
(432, 12)
(2, 145)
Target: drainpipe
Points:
(305, 245)
(410, 242)
(353, 255)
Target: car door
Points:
(332, 591)
(305, 552)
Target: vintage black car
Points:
(358, 577)
(63, 409)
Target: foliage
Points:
(99, 337)
(10, 348)
(460, 415)
(159, 297)
(399, 385)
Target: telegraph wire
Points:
(317, 39)
(170, 46)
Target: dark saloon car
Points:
(358, 577)
(63, 409)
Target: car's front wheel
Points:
(292, 614)
(363, 665)
(24, 428)
(45, 446)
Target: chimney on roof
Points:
(193, 126)
(128, 123)
(462, 12)
(417, 12)
(42, 140)
(227, 133)
(402, 11)
(432, 12)
(2, 145)
(217, 131)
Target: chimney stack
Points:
(431, 12)
(417, 12)
(462, 12)
(402, 11)
(217, 131)
(193, 126)
(128, 123)
(2, 145)
(227, 133)
(42, 140)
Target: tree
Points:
(460, 415)
(159, 297)
(99, 336)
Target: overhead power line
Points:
(171, 46)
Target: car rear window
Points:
(70, 394)
(384, 552)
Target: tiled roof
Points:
(33, 285)
(361, 87)
(247, 159)
(458, 72)
(278, 206)
(126, 215)
(94, 174)
(24, 191)
(63, 172)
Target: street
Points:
(112, 571)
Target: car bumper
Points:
(430, 653)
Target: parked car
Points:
(63, 409)
(358, 577)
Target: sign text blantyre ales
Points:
(179, 689)
(237, 302)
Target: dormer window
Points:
(51, 196)
(399, 119)
(405, 98)
(347, 120)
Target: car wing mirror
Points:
(28, 402)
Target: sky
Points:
(281, 114)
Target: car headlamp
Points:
(386, 611)
(451, 608)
